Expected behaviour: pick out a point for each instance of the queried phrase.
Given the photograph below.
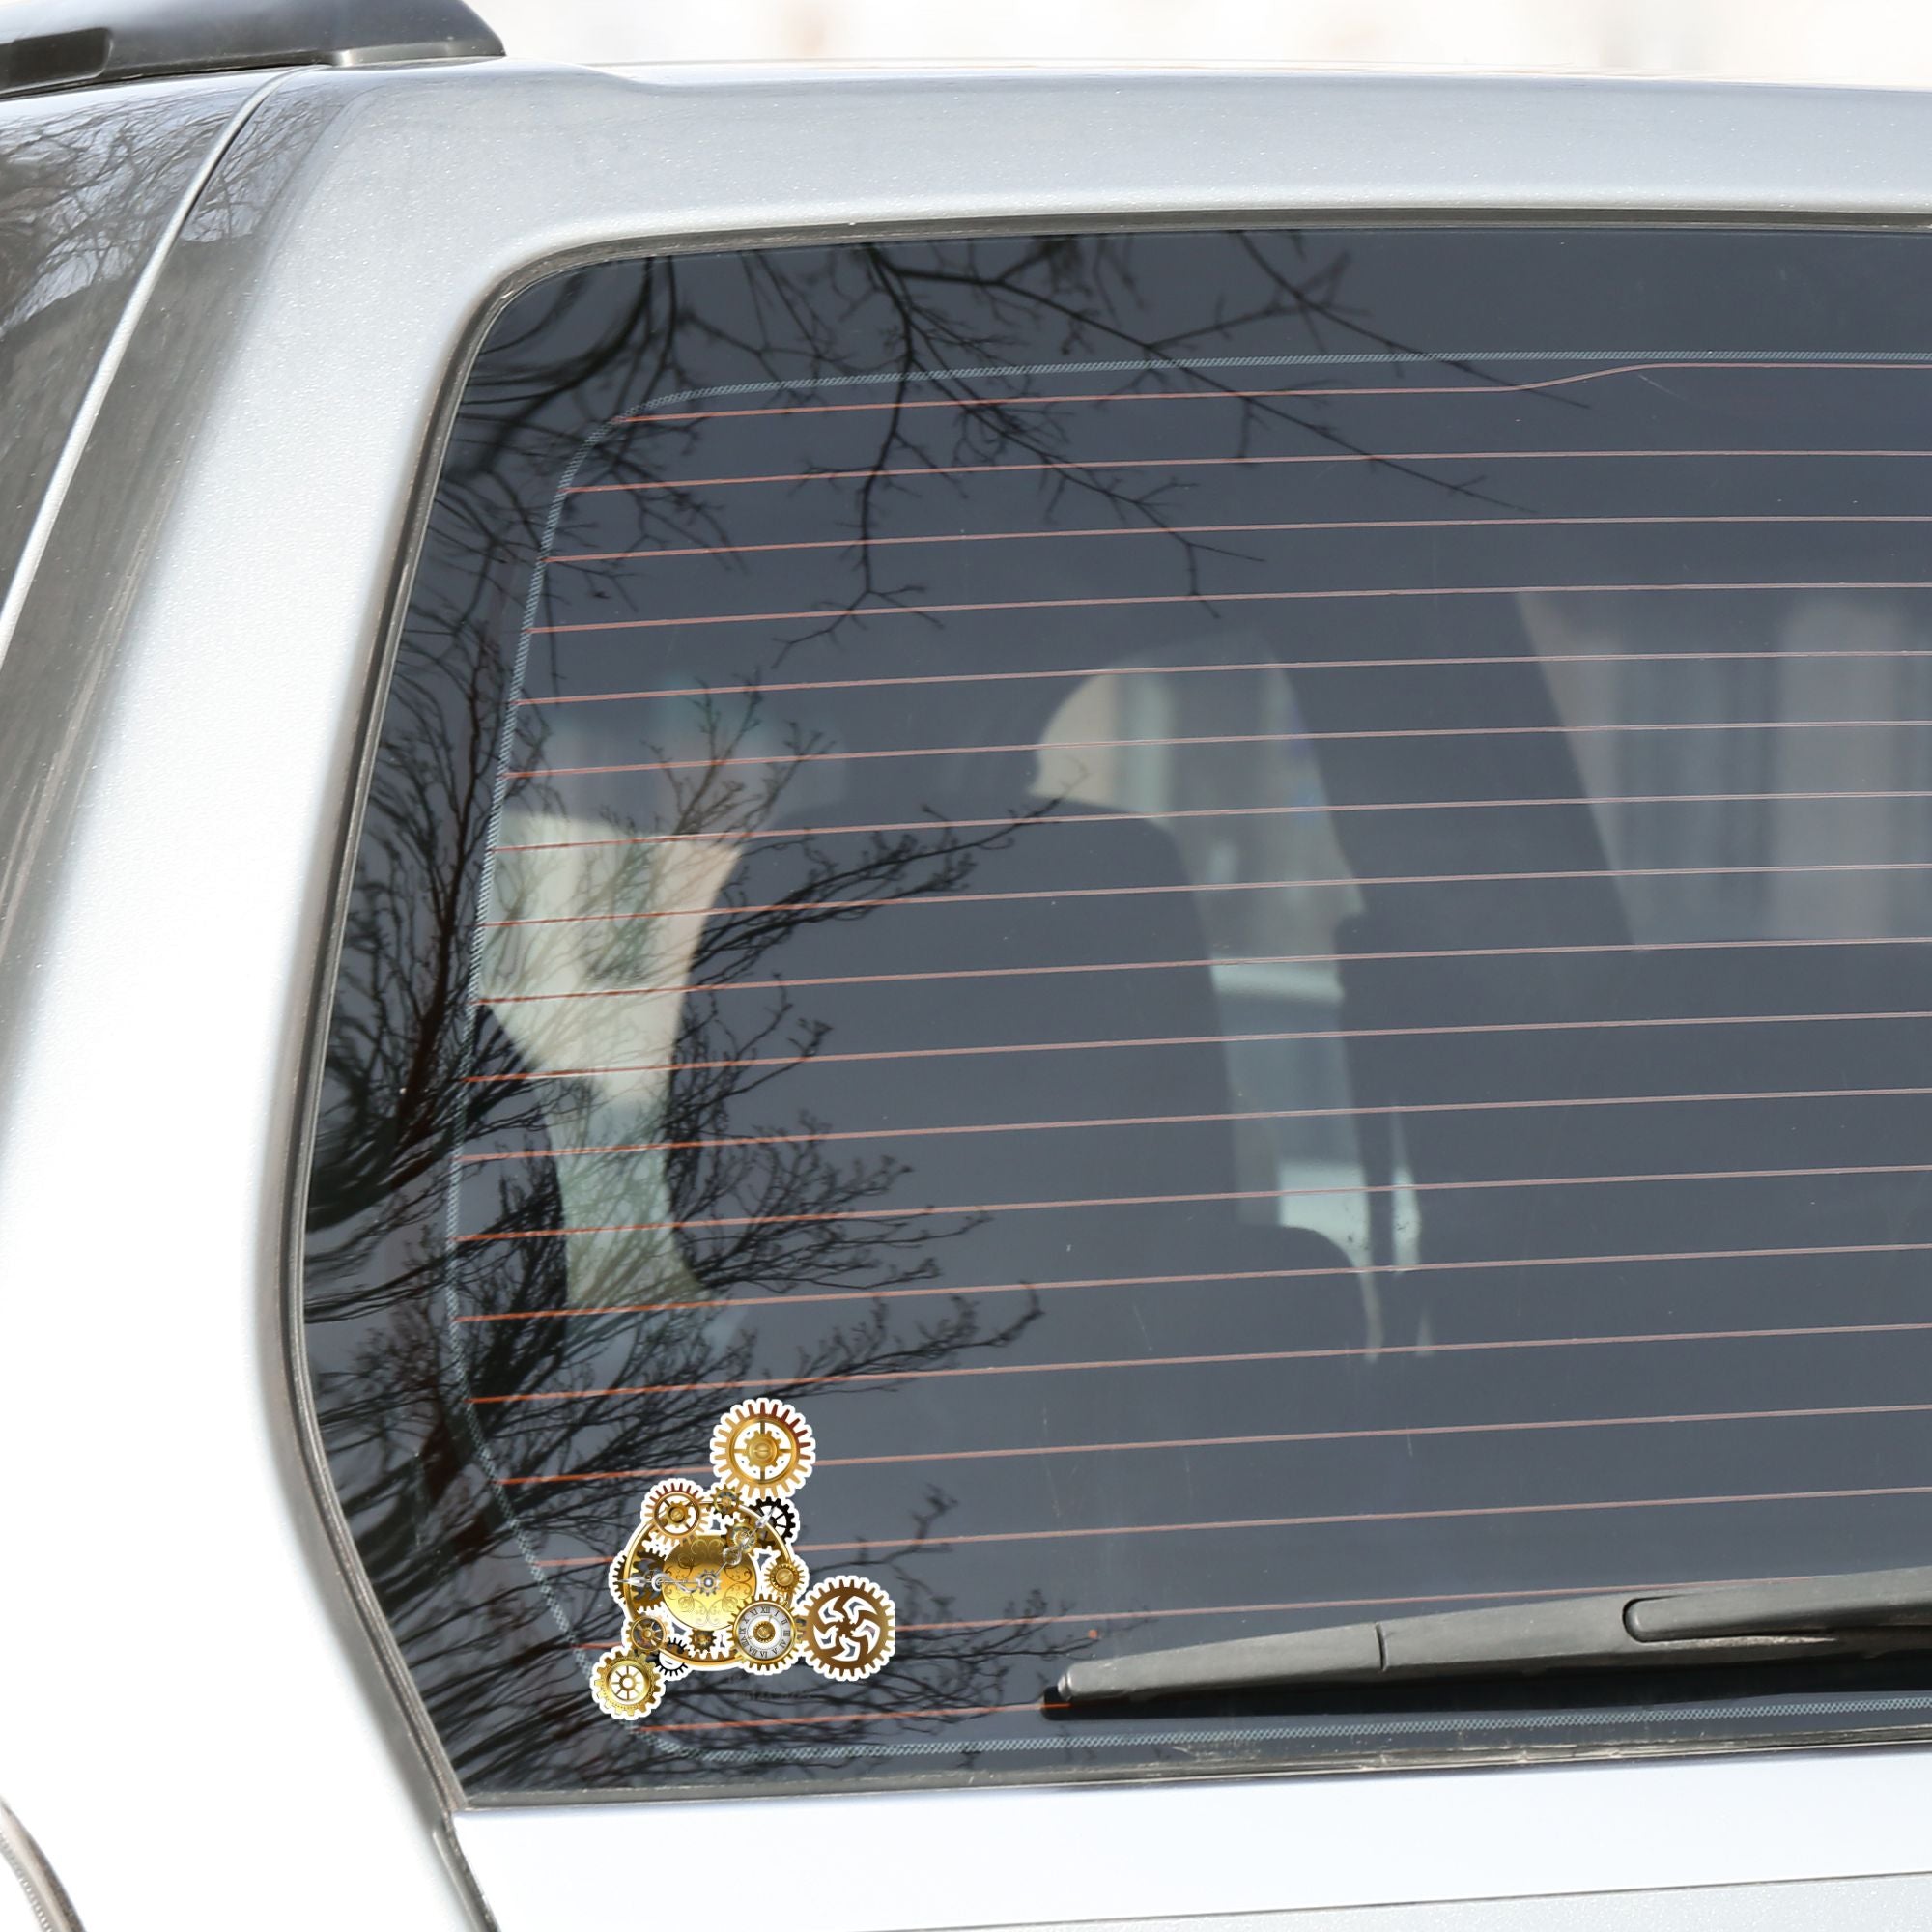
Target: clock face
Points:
(705, 1583)
(766, 1633)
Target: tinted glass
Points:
(1251, 907)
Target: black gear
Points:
(781, 1514)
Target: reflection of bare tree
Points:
(692, 983)
(893, 312)
(65, 174)
(492, 1675)
(413, 1076)
(84, 191)
(695, 1185)
(1082, 293)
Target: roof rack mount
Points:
(59, 44)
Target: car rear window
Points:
(1247, 908)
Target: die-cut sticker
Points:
(710, 1579)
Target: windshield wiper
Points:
(1871, 1612)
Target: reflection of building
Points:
(1841, 658)
(1701, 850)
(1274, 950)
(1765, 40)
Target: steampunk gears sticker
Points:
(710, 1581)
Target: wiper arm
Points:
(1871, 1612)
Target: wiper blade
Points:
(1871, 1612)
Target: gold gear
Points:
(784, 1578)
(847, 1628)
(625, 1685)
(634, 1573)
(730, 1508)
(671, 1510)
(704, 1650)
(762, 1448)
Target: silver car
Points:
(944, 999)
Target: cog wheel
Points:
(640, 1638)
(635, 1578)
(784, 1578)
(718, 1651)
(670, 1667)
(671, 1511)
(780, 1517)
(681, 1654)
(625, 1686)
(847, 1628)
(762, 1448)
(616, 1581)
(767, 1638)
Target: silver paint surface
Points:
(37, 1900)
(184, 717)
(88, 186)
(1159, 1856)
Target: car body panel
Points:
(89, 190)
(1156, 1854)
(187, 709)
